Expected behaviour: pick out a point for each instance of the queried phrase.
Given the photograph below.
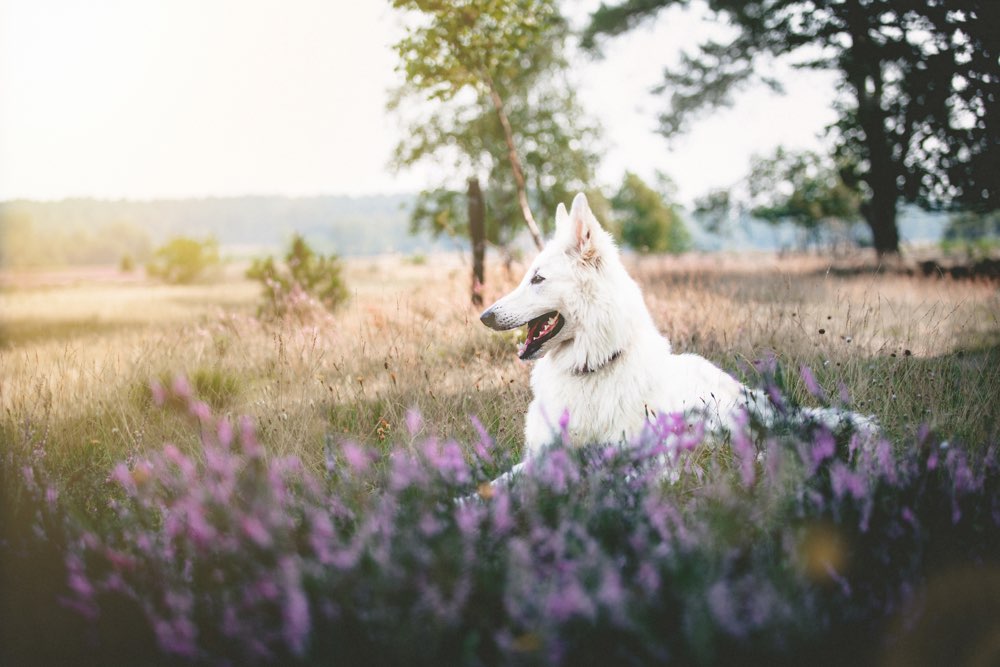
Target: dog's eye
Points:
(535, 279)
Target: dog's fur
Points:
(602, 363)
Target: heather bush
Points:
(765, 546)
(305, 286)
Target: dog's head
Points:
(558, 288)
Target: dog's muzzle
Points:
(489, 318)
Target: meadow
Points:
(91, 365)
(79, 352)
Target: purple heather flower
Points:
(248, 438)
(177, 636)
(255, 530)
(123, 476)
(648, 578)
(224, 433)
(556, 470)
(355, 457)
(932, 459)
(823, 447)
(845, 482)
(744, 450)
(885, 460)
(564, 424)
(812, 386)
(503, 522)
(184, 464)
(182, 388)
(724, 608)
(467, 517)
(413, 421)
(295, 609)
(158, 392)
(963, 478)
(485, 443)
(200, 410)
(447, 459)
(845, 395)
(567, 601)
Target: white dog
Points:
(601, 359)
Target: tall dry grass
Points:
(78, 357)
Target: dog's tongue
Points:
(533, 331)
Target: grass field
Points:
(79, 352)
(158, 534)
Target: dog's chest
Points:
(604, 406)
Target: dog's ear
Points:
(562, 217)
(584, 228)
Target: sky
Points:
(144, 99)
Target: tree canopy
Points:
(645, 220)
(502, 109)
(919, 101)
(800, 187)
(459, 59)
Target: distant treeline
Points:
(92, 231)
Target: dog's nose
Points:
(489, 318)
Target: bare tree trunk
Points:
(477, 234)
(865, 67)
(515, 163)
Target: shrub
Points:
(306, 279)
(774, 546)
(184, 260)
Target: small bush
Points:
(305, 280)
(184, 260)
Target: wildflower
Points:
(295, 609)
(182, 388)
(823, 447)
(845, 482)
(812, 386)
(355, 457)
(744, 450)
(224, 433)
(200, 410)
(158, 393)
(413, 421)
(255, 530)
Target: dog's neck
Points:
(613, 322)
(587, 369)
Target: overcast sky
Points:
(178, 98)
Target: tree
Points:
(646, 221)
(183, 260)
(802, 188)
(919, 98)
(503, 114)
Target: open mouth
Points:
(540, 330)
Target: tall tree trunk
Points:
(477, 233)
(515, 163)
(864, 68)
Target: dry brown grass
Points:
(77, 357)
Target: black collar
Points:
(588, 369)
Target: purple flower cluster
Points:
(683, 547)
